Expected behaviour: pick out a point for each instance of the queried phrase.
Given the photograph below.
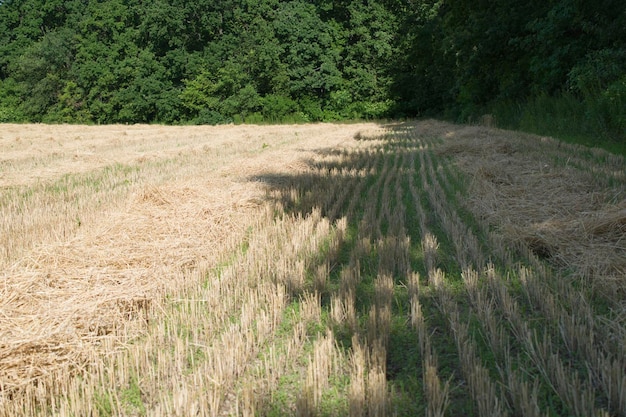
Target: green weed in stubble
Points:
(103, 402)
(131, 398)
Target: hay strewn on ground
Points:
(566, 203)
(188, 203)
(101, 225)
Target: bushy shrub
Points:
(10, 115)
(612, 105)
(211, 117)
(377, 110)
(597, 72)
(9, 103)
(277, 107)
(311, 108)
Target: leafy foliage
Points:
(213, 62)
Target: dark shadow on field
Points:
(341, 183)
(332, 168)
(364, 184)
(299, 193)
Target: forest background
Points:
(554, 67)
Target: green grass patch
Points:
(589, 123)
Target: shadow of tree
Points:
(368, 186)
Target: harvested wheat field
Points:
(418, 268)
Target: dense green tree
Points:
(42, 71)
(423, 73)
(311, 55)
(179, 61)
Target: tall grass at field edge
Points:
(593, 122)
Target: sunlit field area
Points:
(409, 269)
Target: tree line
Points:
(182, 61)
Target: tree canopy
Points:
(182, 61)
